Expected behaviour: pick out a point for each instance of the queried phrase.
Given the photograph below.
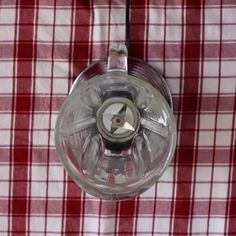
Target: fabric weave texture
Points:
(45, 44)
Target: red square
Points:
(73, 207)
(137, 33)
(22, 122)
(73, 190)
(190, 103)
(137, 16)
(191, 85)
(5, 103)
(182, 208)
(26, 32)
(19, 206)
(73, 225)
(183, 191)
(21, 154)
(193, 16)
(24, 69)
(200, 207)
(57, 103)
(213, 50)
(204, 155)
(4, 206)
(192, 70)
(192, 51)
(184, 173)
(25, 50)
(208, 103)
(23, 103)
(193, 33)
(188, 122)
(186, 138)
(21, 137)
(40, 155)
(137, 50)
(81, 51)
(99, 50)
(226, 103)
(180, 226)
(18, 224)
(20, 171)
(24, 85)
(82, 16)
(42, 103)
(27, 14)
(127, 208)
(185, 155)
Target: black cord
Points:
(127, 24)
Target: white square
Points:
(144, 224)
(62, 33)
(168, 175)
(203, 174)
(54, 224)
(101, 16)
(38, 189)
(173, 33)
(212, 16)
(228, 85)
(6, 69)
(4, 172)
(5, 137)
(202, 190)
(52, 138)
(60, 86)
(173, 69)
(173, 16)
(149, 193)
(37, 224)
(7, 16)
(6, 86)
(229, 32)
(211, 68)
(7, 32)
(228, 68)
(53, 120)
(107, 225)
(56, 173)
(40, 138)
(162, 225)
(229, 15)
(117, 33)
(41, 121)
(217, 225)
(221, 173)
(3, 223)
(164, 190)
(224, 121)
(223, 138)
(55, 189)
(212, 32)
(90, 224)
(45, 33)
(45, 16)
(156, 33)
(5, 121)
(174, 85)
(210, 85)
(39, 173)
(199, 225)
(63, 16)
(219, 190)
(117, 16)
(4, 186)
(43, 69)
(42, 86)
(156, 16)
(100, 33)
(61, 69)
(207, 121)
(206, 138)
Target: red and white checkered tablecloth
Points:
(44, 45)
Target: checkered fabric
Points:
(44, 45)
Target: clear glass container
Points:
(115, 133)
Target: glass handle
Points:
(117, 59)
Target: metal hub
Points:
(118, 119)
